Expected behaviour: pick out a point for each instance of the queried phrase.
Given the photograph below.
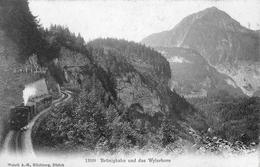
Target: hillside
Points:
(226, 45)
(234, 119)
(12, 79)
(24, 56)
(152, 66)
(192, 76)
(124, 101)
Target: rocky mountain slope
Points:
(192, 76)
(153, 74)
(125, 86)
(226, 45)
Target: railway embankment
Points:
(36, 122)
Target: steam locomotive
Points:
(21, 115)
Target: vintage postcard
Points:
(171, 83)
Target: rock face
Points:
(192, 76)
(132, 73)
(141, 76)
(226, 45)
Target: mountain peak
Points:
(214, 17)
(213, 8)
(209, 19)
(214, 13)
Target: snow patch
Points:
(200, 93)
(230, 82)
(162, 52)
(177, 59)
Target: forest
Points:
(97, 119)
(232, 118)
(25, 31)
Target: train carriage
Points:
(43, 102)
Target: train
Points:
(21, 115)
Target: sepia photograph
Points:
(122, 83)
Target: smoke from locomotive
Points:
(28, 92)
(35, 89)
(36, 98)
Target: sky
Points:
(134, 19)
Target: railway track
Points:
(20, 142)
